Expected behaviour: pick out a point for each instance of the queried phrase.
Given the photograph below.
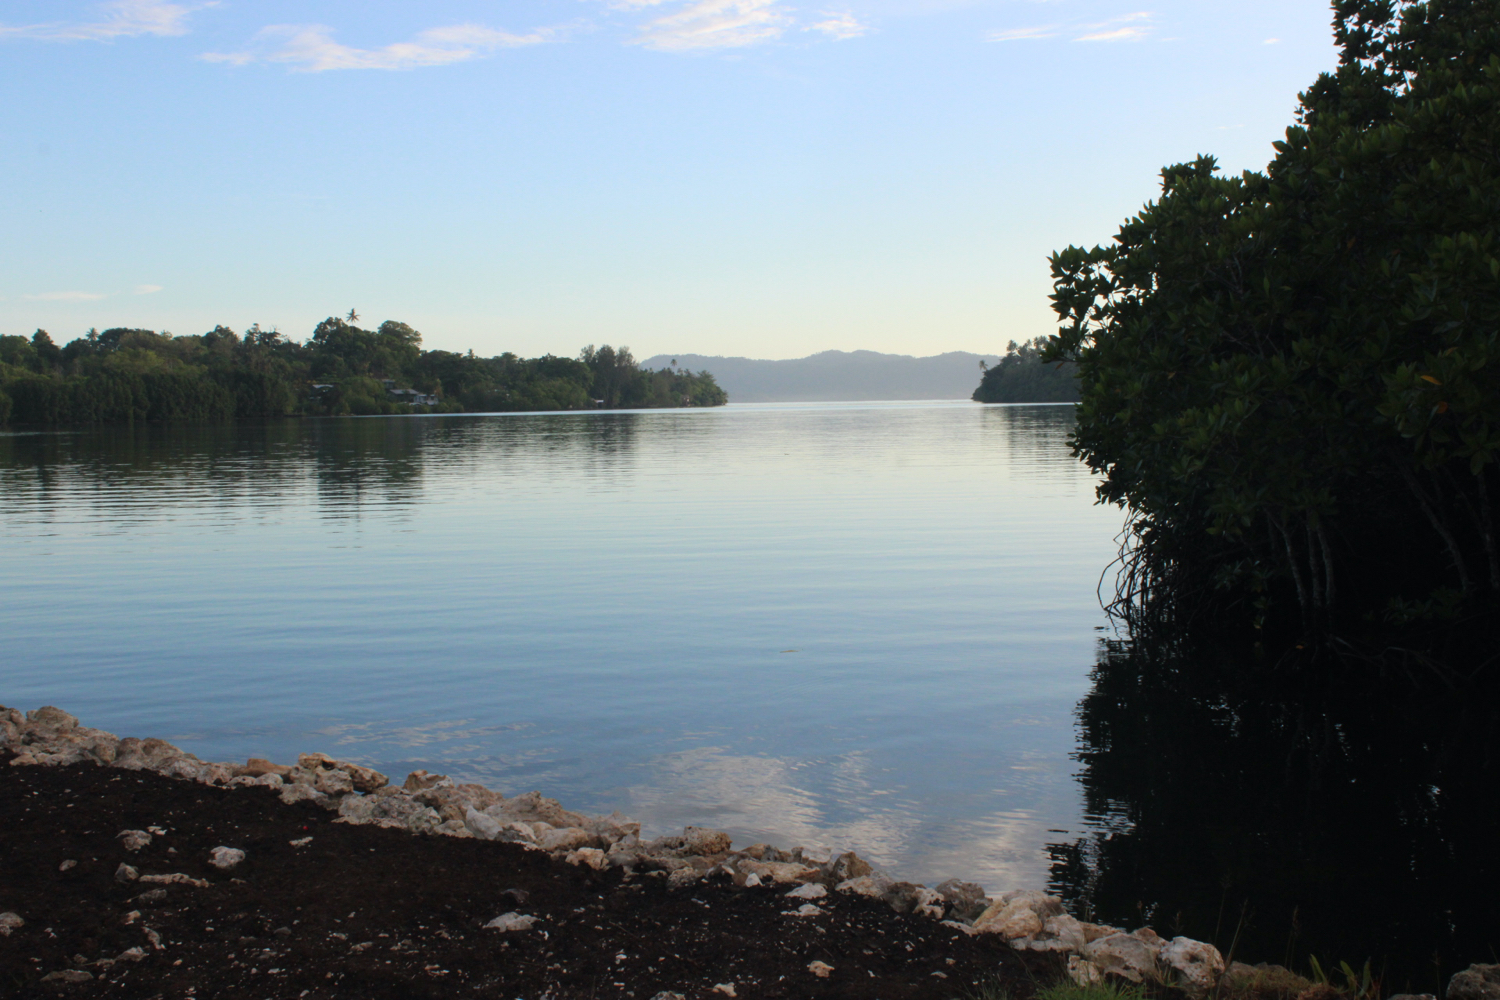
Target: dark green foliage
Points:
(612, 372)
(1288, 378)
(675, 387)
(1023, 377)
(506, 383)
(618, 381)
(116, 396)
(124, 375)
(48, 354)
(260, 393)
(18, 352)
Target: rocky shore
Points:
(174, 876)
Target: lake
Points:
(868, 626)
(860, 626)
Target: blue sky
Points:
(765, 178)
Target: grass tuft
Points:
(992, 988)
(1110, 989)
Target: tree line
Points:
(1291, 378)
(123, 375)
(1022, 376)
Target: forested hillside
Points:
(1023, 377)
(127, 375)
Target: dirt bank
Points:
(363, 911)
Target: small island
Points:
(126, 375)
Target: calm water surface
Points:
(854, 625)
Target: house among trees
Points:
(411, 396)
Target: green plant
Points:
(1362, 985)
(1109, 989)
(991, 988)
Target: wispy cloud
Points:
(63, 297)
(1024, 34)
(1271, 41)
(1126, 28)
(121, 19)
(715, 24)
(839, 26)
(310, 48)
(1105, 31)
(146, 289)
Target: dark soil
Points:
(365, 912)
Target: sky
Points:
(766, 178)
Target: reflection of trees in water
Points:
(387, 460)
(1033, 433)
(153, 465)
(1349, 819)
(612, 434)
(350, 464)
(597, 445)
(361, 461)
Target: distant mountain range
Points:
(838, 375)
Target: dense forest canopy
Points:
(123, 375)
(1022, 376)
(1290, 377)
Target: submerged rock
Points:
(10, 921)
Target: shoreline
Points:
(801, 890)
